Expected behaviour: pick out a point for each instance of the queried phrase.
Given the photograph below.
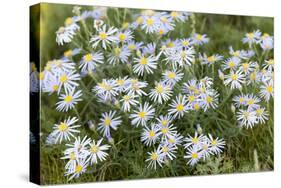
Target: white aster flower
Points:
(128, 101)
(171, 77)
(90, 61)
(144, 65)
(79, 168)
(252, 37)
(68, 100)
(198, 39)
(235, 79)
(136, 87)
(216, 145)
(149, 136)
(65, 129)
(161, 93)
(142, 115)
(267, 90)
(178, 106)
(68, 80)
(97, 152)
(64, 35)
(193, 155)
(155, 158)
(247, 118)
(104, 36)
(109, 121)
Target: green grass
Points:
(247, 150)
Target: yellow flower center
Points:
(245, 66)
(151, 134)
(149, 21)
(171, 140)
(120, 82)
(194, 155)
(68, 99)
(253, 76)
(165, 149)
(72, 156)
(88, 57)
(122, 37)
(68, 21)
(180, 107)
(159, 88)
(185, 43)
(94, 149)
(231, 64)
(174, 14)
(195, 140)
(107, 121)
(251, 102)
(211, 59)
(250, 35)
(61, 30)
(165, 130)
(41, 76)
(214, 142)
(126, 97)
(143, 61)
(171, 75)
(191, 98)
(55, 87)
(63, 78)
(259, 111)
(68, 53)
(234, 77)
(63, 127)
(183, 54)
(241, 99)
(142, 114)
(139, 20)
(132, 47)
(161, 31)
(154, 156)
(196, 106)
(78, 168)
(270, 62)
(164, 122)
(170, 45)
(269, 89)
(117, 51)
(199, 37)
(205, 146)
(103, 35)
(236, 54)
(209, 99)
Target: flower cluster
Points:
(150, 85)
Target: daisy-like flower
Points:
(97, 152)
(252, 101)
(150, 135)
(90, 61)
(122, 83)
(267, 43)
(155, 157)
(231, 63)
(178, 107)
(149, 49)
(240, 100)
(71, 23)
(175, 139)
(171, 77)
(134, 46)
(248, 67)
(198, 39)
(68, 100)
(161, 93)
(193, 155)
(68, 80)
(124, 36)
(104, 36)
(144, 64)
(128, 101)
(209, 60)
(186, 42)
(142, 115)
(216, 145)
(267, 90)
(252, 37)
(269, 65)
(209, 99)
(166, 131)
(179, 16)
(262, 115)
(79, 168)
(168, 150)
(164, 120)
(51, 85)
(247, 118)
(179, 57)
(194, 141)
(119, 54)
(60, 65)
(64, 35)
(235, 79)
(150, 24)
(108, 88)
(108, 121)
(79, 148)
(136, 87)
(65, 129)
